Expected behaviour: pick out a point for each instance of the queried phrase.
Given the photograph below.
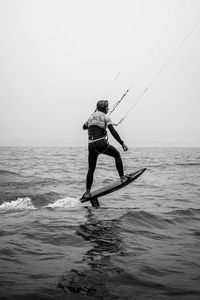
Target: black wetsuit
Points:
(98, 144)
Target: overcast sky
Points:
(59, 57)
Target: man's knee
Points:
(117, 155)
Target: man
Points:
(98, 142)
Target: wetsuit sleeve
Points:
(115, 134)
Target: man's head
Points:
(102, 105)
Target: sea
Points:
(143, 242)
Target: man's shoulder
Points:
(108, 119)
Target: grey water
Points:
(142, 243)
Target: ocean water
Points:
(142, 243)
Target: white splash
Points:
(64, 203)
(19, 204)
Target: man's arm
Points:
(117, 137)
(85, 126)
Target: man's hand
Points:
(125, 148)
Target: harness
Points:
(93, 142)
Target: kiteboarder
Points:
(98, 143)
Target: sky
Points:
(59, 57)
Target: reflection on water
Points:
(97, 271)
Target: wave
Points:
(9, 173)
(188, 164)
(19, 204)
(186, 212)
(23, 204)
(146, 219)
(22, 184)
(64, 203)
(38, 180)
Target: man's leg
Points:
(112, 151)
(92, 161)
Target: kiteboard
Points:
(93, 198)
